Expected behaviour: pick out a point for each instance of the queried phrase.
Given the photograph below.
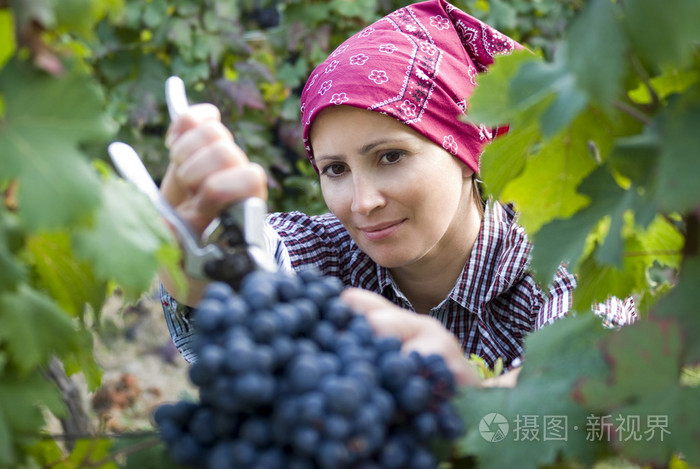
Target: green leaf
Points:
(662, 242)
(544, 391)
(11, 271)
(663, 32)
(546, 189)
(636, 157)
(563, 240)
(598, 281)
(671, 427)
(656, 343)
(45, 452)
(679, 164)
(154, 13)
(153, 457)
(681, 304)
(87, 452)
(504, 158)
(549, 86)
(46, 119)
(7, 38)
(595, 52)
(125, 239)
(34, 328)
(670, 81)
(82, 361)
(70, 281)
(491, 103)
(21, 416)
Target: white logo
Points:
(493, 427)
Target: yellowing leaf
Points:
(69, 281)
(7, 38)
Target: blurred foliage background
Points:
(251, 59)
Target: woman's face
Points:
(403, 199)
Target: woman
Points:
(397, 171)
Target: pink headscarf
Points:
(418, 65)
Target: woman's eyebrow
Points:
(371, 145)
(366, 148)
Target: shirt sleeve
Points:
(615, 312)
(179, 317)
(557, 304)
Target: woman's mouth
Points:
(381, 231)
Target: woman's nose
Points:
(367, 195)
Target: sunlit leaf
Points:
(69, 281)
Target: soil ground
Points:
(142, 368)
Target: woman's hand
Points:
(417, 332)
(207, 170)
(207, 173)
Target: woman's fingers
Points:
(207, 170)
(418, 333)
(194, 116)
(221, 189)
(207, 161)
(190, 141)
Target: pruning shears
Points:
(232, 245)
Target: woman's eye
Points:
(333, 170)
(392, 156)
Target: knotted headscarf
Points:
(418, 65)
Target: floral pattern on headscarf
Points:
(418, 65)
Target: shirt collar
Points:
(498, 259)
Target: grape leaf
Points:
(504, 159)
(596, 35)
(39, 138)
(663, 32)
(679, 164)
(681, 304)
(543, 392)
(632, 391)
(491, 103)
(632, 352)
(546, 189)
(662, 242)
(636, 157)
(668, 82)
(596, 281)
(564, 239)
(83, 361)
(11, 271)
(87, 452)
(671, 426)
(70, 282)
(7, 38)
(20, 414)
(552, 87)
(34, 328)
(127, 235)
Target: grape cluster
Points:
(290, 377)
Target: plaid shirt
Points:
(494, 304)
